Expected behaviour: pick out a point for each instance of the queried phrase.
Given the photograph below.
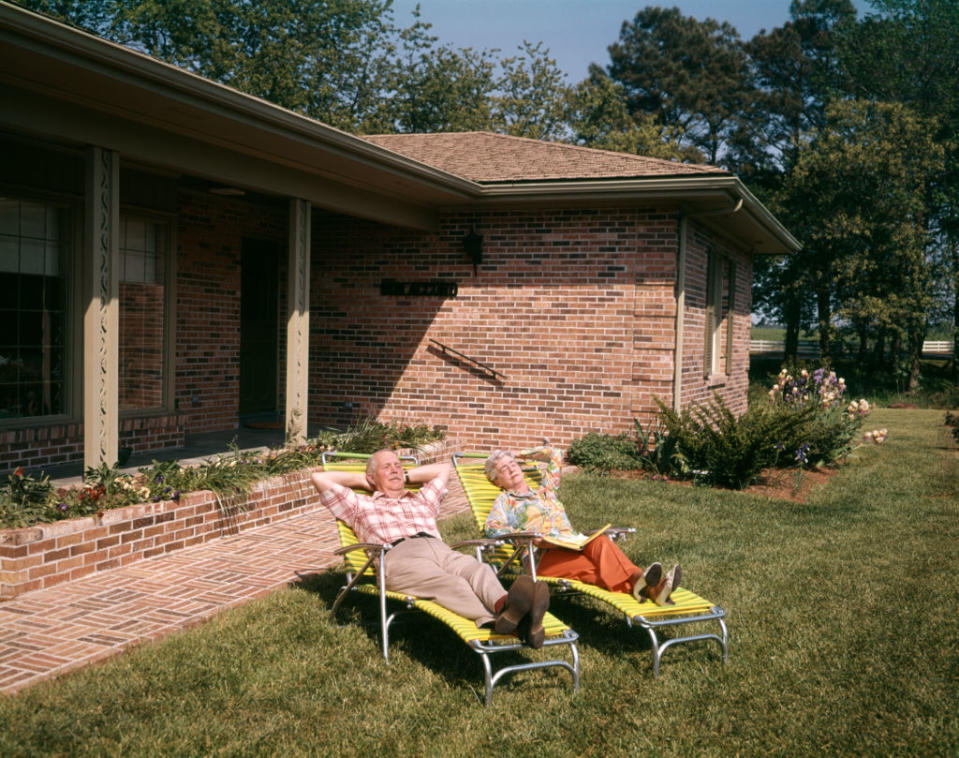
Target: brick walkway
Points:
(56, 630)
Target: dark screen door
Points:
(258, 325)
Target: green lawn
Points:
(842, 613)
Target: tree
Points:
(794, 73)
(691, 75)
(858, 196)
(531, 95)
(436, 88)
(909, 52)
(323, 59)
(599, 118)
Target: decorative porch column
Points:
(101, 317)
(298, 323)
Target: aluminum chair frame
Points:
(654, 619)
(365, 575)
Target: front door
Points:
(258, 325)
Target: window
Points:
(36, 249)
(720, 304)
(144, 244)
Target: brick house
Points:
(176, 256)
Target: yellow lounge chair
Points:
(509, 558)
(364, 575)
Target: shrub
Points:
(604, 452)
(25, 500)
(658, 451)
(726, 451)
(952, 420)
(828, 430)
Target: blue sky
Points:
(577, 32)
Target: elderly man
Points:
(519, 508)
(419, 562)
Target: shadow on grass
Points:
(603, 633)
(422, 638)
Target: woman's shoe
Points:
(660, 593)
(652, 576)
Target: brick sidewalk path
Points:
(62, 628)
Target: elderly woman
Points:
(520, 508)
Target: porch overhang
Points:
(158, 115)
(161, 116)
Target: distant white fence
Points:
(805, 349)
(811, 349)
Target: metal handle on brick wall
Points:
(447, 349)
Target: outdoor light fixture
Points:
(473, 245)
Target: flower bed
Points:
(37, 557)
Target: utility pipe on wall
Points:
(680, 312)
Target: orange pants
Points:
(600, 563)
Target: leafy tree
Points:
(689, 74)
(794, 72)
(599, 118)
(909, 52)
(531, 95)
(436, 88)
(324, 59)
(858, 196)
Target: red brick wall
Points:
(575, 307)
(45, 445)
(210, 232)
(140, 381)
(733, 384)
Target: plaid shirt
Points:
(383, 520)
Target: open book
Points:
(574, 541)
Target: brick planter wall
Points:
(38, 557)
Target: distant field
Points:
(776, 333)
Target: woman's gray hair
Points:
(490, 467)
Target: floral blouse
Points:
(538, 510)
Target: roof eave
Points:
(691, 192)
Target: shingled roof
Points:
(493, 158)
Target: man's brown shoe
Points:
(537, 634)
(519, 600)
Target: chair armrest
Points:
(618, 532)
(361, 546)
(481, 542)
(519, 537)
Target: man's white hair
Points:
(371, 461)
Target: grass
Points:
(844, 641)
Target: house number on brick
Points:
(432, 288)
